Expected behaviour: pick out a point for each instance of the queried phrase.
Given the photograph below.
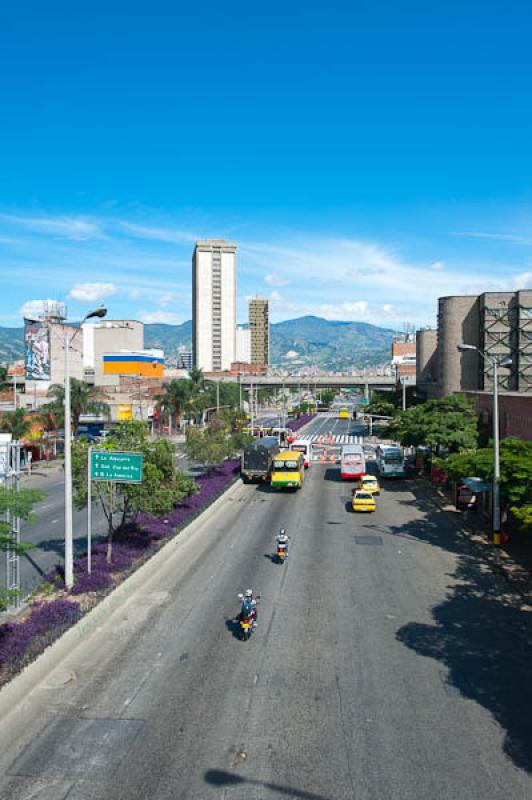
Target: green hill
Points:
(306, 341)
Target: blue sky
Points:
(367, 157)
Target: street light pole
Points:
(496, 459)
(69, 561)
(496, 492)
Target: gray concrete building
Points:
(427, 362)
(498, 323)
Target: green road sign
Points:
(110, 465)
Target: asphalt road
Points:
(388, 664)
(47, 532)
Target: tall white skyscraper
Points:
(214, 304)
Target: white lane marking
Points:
(55, 521)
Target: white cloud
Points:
(388, 309)
(494, 236)
(523, 281)
(437, 265)
(273, 279)
(91, 292)
(160, 317)
(164, 300)
(33, 308)
(75, 228)
(359, 307)
(135, 294)
(291, 354)
(173, 235)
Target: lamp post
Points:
(496, 362)
(69, 561)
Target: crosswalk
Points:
(331, 438)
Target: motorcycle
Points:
(281, 553)
(247, 619)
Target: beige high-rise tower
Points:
(259, 327)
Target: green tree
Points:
(176, 397)
(383, 408)
(4, 384)
(327, 397)
(162, 485)
(196, 376)
(15, 422)
(214, 444)
(451, 422)
(84, 399)
(15, 504)
(516, 474)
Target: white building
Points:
(214, 305)
(243, 345)
(109, 336)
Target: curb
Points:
(20, 687)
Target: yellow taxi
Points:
(369, 483)
(363, 501)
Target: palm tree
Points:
(196, 376)
(83, 400)
(176, 395)
(15, 423)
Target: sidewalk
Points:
(513, 560)
(40, 472)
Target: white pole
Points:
(404, 395)
(89, 512)
(496, 460)
(69, 566)
(252, 408)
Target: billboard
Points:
(144, 364)
(125, 412)
(37, 351)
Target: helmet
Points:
(249, 593)
(282, 532)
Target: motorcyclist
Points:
(249, 607)
(282, 539)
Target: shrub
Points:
(20, 641)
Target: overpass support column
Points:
(367, 392)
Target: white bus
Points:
(391, 461)
(352, 462)
(302, 446)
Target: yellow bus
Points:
(343, 413)
(288, 470)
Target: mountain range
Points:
(305, 341)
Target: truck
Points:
(257, 459)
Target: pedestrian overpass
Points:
(314, 382)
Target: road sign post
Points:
(114, 467)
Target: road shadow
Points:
(480, 633)
(219, 777)
(233, 626)
(333, 474)
(272, 557)
(266, 488)
(58, 545)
